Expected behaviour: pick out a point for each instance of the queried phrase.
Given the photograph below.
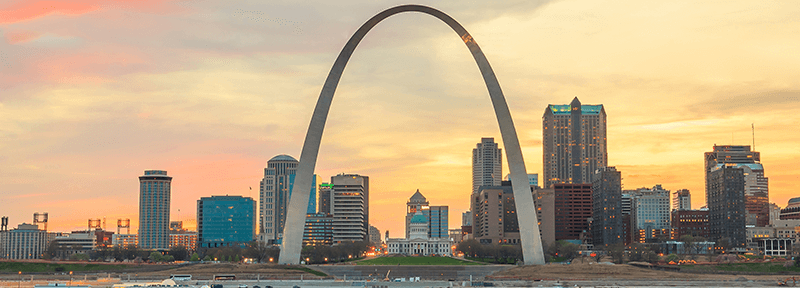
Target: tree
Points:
(207, 258)
(261, 252)
(194, 257)
(155, 257)
(616, 251)
(688, 244)
(179, 252)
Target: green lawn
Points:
(14, 267)
(309, 270)
(744, 267)
(422, 260)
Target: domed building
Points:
(418, 242)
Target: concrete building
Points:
(690, 222)
(456, 235)
(224, 221)
(418, 242)
(726, 205)
(606, 207)
(27, 241)
(374, 235)
(318, 230)
(75, 243)
(154, 204)
(756, 183)
(792, 210)
(186, 239)
(682, 200)
(533, 179)
(495, 218)
(487, 164)
(573, 208)
(545, 202)
(650, 211)
(574, 142)
(350, 207)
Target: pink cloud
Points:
(24, 10)
(29, 10)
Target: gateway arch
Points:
(295, 218)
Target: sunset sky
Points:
(94, 92)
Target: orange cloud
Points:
(24, 10)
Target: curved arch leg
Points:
(526, 212)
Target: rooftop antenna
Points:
(753, 128)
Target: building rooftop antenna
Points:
(753, 128)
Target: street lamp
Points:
(70, 278)
(20, 279)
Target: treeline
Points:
(258, 251)
(495, 253)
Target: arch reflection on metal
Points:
(526, 213)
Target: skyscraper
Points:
(756, 184)
(726, 204)
(275, 190)
(224, 221)
(274, 196)
(573, 207)
(607, 207)
(487, 164)
(350, 207)
(154, 198)
(574, 142)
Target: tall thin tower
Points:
(574, 140)
(275, 189)
(154, 198)
(487, 164)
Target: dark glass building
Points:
(224, 221)
(607, 207)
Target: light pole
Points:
(70, 278)
(20, 279)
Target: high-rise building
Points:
(374, 235)
(650, 209)
(573, 208)
(487, 164)
(726, 205)
(756, 184)
(682, 200)
(545, 201)
(275, 192)
(606, 207)
(350, 207)
(574, 142)
(224, 221)
(274, 196)
(495, 215)
(325, 198)
(154, 201)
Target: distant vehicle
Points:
(224, 277)
(216, 286)
(242, 285)
(181, 277)
(256, 286)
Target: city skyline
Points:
(76, 99)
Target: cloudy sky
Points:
(92, 93)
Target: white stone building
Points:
(418, 242)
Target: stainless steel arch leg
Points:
(526, 211)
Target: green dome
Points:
(419, 218)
